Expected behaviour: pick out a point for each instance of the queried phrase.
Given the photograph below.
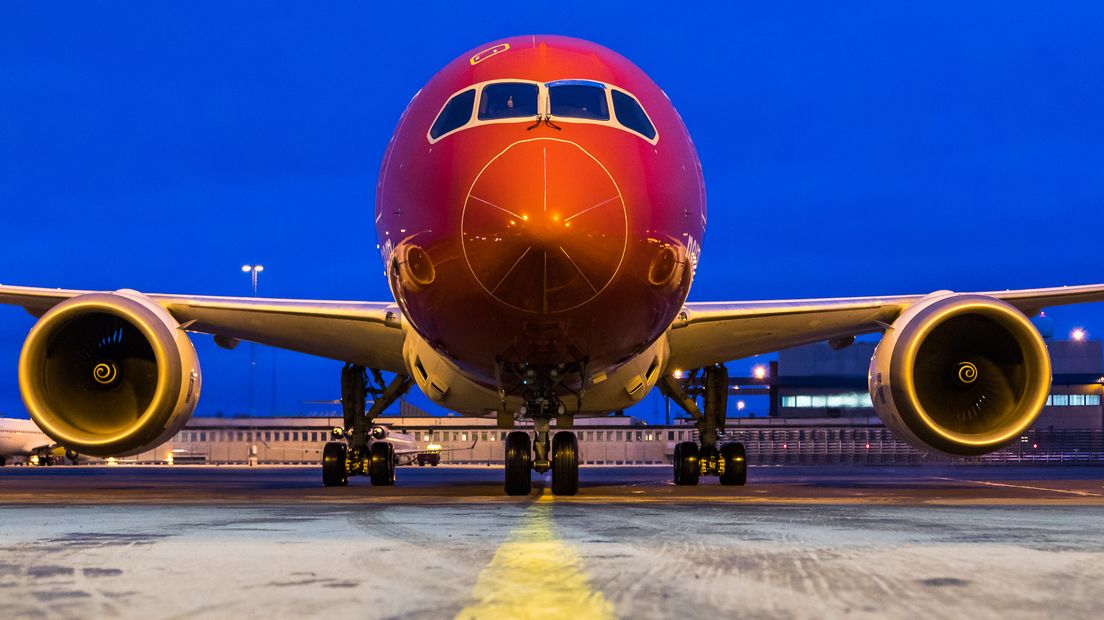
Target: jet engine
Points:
(960, 374)
(109, 374)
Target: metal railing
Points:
(878, 446)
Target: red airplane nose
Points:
(544, 226)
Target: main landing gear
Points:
(357, 456)
(729, 463)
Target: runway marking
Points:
(535, 574)
(1020, 486)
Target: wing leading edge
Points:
(707, 333)
(366, 333)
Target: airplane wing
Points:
(366, 333)
(707, 333)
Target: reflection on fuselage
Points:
(540, 206)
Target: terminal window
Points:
(846, 400)
(1073, 400)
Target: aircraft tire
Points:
(686, 464)
(381, 465)
(519, 464)
(735, 464)
(334, 456)
(565, 463)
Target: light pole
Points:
(253, 271)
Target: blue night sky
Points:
(849, 148)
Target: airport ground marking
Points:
(1021, 486)
(535, 574)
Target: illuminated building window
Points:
(845, 400)
(1073, 400)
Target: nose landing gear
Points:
(542, 385)
(729, 463)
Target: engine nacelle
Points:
(109, 374)
(960, 374)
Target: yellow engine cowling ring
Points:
(94, 406)
(981, 328)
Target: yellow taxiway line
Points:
(535, 574)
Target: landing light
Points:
(1078, 335)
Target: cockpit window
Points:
(456, 113)
(508, 100)
(631, 115)
(578, 99)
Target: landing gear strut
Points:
(357, 456)
(692, 461)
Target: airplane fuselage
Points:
(540, 204)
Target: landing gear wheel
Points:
(687, 469)
(565, 463)
(519, 464)
(381, 464)
(334, 456)
(734, 457)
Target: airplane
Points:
(23, 438)
(540, 212)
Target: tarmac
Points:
(218, 542)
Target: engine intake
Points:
(109, 374)
(960, 374)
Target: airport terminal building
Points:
(819, 412)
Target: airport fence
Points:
(878, 446)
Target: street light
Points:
(253, 271)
